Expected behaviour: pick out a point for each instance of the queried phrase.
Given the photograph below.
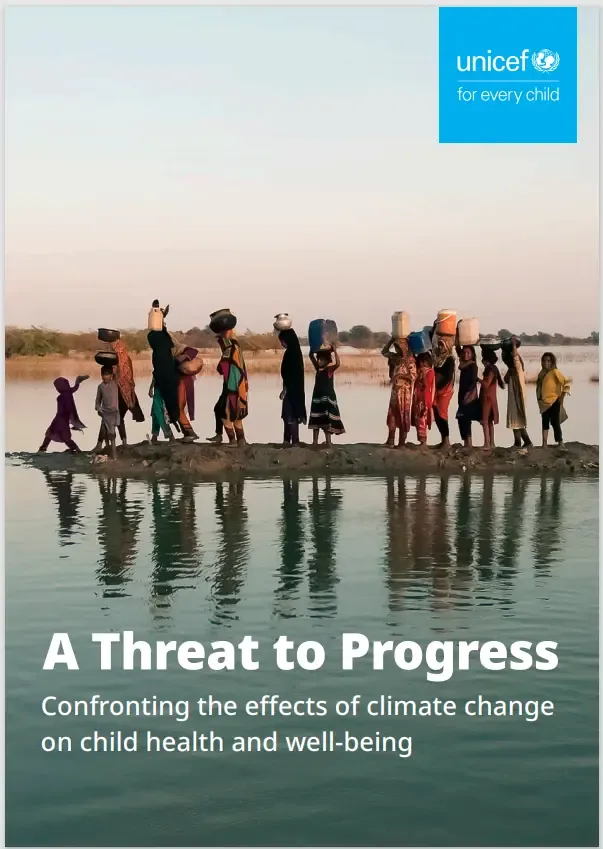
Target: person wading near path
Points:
(515, 379)
(422, 397)
(403, 371)
(235, 388)
(551, 389)
(491, 379)
(469, 409)
(66, 418)
(293, 396)
(324, 412)
(444, 369)
(107, 406)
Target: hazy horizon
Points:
(278, 159)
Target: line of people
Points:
(422, 388)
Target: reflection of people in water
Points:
(512, 527)
(292, 549)
(68, 499)
(324, 508)
(485, 541)
(233, 549)
(547, 526)
(441, 555)
(175, 554)
(465, 534)
(118, 526)
(398, 559)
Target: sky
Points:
(278, 160)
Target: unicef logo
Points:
(545, 61)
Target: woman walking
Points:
(403, 371)
(124, 374)
(551, 389)
(491, 379)
(469, 409)
(443, 366)
(324, 412)
(293, 395)
(235, 388)
(66, 417)
(515, 379)
(423, 397)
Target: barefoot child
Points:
(551, 389)
(423, 397)
(403, 372)
(107, 406)
(324, 412)
(66, 418)
(491, 379)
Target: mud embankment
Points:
(211, 461)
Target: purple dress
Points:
(66, 418)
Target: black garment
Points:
(552, 417)
(441, 424)
(464, 423)
(324, 413)
(220, 412)
(291, 428)
(444, 374)
(164, 372)
(292, 373)
(468, 384)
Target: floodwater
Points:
(363, 404)
(408, 558)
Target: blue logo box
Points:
(508, 75)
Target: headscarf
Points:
(61, 384)
(442, 349)
(124, 373)
(292, 372)
(164, 371)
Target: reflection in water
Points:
(68, 497)
(486, 539)
(449, 542)
(547, 526)
(233, 550)
(398, 559)
(512, 529)
(324, 507)
(175, 553)
(290, 575)
(118, 524)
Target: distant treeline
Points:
(39, 341)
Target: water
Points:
(498, 558)
(362, 400)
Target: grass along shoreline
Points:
(364, 366)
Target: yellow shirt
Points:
(552, 387)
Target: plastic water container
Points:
(468, 331)
(322, 333)
(446, 323)
(282, 321)
(419, 342)
(400, 325)
(155, 321)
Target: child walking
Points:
(491, 379)
(107, 406)
(66, 418)
(423, 397)
(324, 412)
(551, 389)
